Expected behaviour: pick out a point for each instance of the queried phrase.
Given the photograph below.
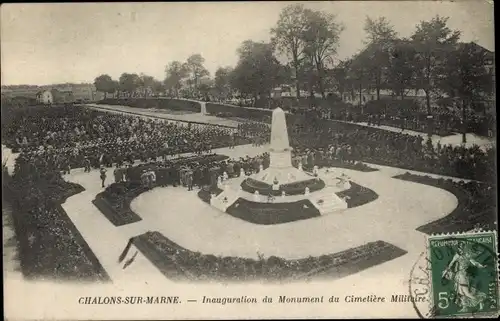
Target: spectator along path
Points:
(454, 140)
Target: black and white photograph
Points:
(217, 160)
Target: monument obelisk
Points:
(279, 150)
(282, 178)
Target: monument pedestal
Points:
(281, 159)
(203, 107)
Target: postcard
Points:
(248, 160)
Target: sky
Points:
(46, 43)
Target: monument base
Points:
(272, 213)
(281, 159)
(284, 175)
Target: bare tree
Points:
(288, 37)
(380, 36)
(197, 70)
(433, 40)
(321, 39)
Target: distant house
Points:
(489, 64)
(45, 97)
(417, 95)
(64, 93)
(84, 92)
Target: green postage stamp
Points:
(464, 272)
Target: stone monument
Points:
(280, 153)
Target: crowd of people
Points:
(75, 137)
(53, 141)
(199, 171)
(258, 132)
(442, 122)
(350, 142)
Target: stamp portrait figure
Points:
(458, 271)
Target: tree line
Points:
(432, 60)
(178, 74)
(302, 53)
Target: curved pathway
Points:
(180, 215)
(393, 218)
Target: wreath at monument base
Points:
(251, 185)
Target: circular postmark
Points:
(457, 276)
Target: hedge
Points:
(115, 216)
(114, 202)
(50, 245)
(180, 264)
(357, 195)
(242, 112)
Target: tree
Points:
(311, 73)
(116, 87)
(195, 67)
(359, 74)
(204, 89)
(288, 37)
(158, 87)
(401, 71)
(129, 83)
(257, 70)
(379, 30)
(321, 38)
(147, 82)
(433, 40)
(380, 36)
(175, 73)
(105, 84)
(467, 80)
(222, 81)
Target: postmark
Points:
(463, 274)
(419, 287)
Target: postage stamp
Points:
(464, 274)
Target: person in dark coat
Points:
(118, 173)
(175, 176)
(236, 168)
(144, 179)
(86, 163)
(102, 175)
(162, 175)
(197, 177)
(128, 173)
(230, 169)
(189, 181)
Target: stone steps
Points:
(218, 201)
(331, 202)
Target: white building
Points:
(45, 97)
